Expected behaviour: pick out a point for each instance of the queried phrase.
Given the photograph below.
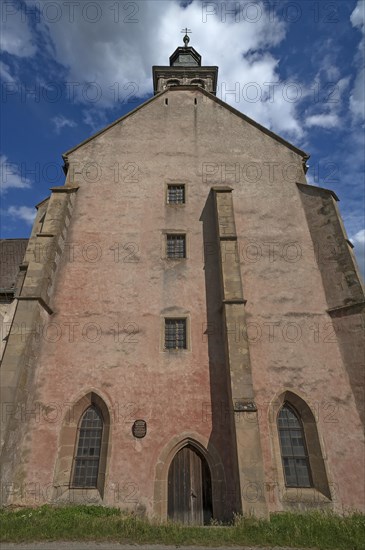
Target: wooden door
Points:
(189, 488)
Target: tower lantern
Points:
(185, 70)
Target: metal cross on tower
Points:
(186, 39)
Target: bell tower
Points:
(185, 70)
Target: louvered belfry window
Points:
(175, 246)
(176, 194)
(175, 333)
(293, 448)
(86, 462)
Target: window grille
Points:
(176, 194)
(175, 333)
(87, 457)
(293, 448)
(175, 246)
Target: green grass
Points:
(307, 530)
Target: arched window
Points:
(173, 82)
(198, 82)
(293, 447)
(87, 457)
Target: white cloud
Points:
(357, 96)
(327, 65)
(95, 118)
(61, 122)
(332, 107)
(359, 237)
(24, 213)
(5, 72)
(16, 36)
(118, 62)
(358, 240)
(10, 175)
(358, 15)
(324, 121)
(340, 89)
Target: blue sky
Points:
(68, 68)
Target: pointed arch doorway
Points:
(189, 488)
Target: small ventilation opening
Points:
(166, 101)
(195, 101)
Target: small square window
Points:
(175, 334)
(175, 246)
(176, 194)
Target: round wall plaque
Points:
(139, 428)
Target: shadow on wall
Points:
(219, 412)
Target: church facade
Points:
(185, 336)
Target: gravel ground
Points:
(116, 546)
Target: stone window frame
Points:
(182, 328)
(78, 457)
(171, 82)
(304, 456)
(198, 82)
(176, 315)
(320, 491)
(175, 204)
(68, 440)
(175, 237)
(165, 233)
